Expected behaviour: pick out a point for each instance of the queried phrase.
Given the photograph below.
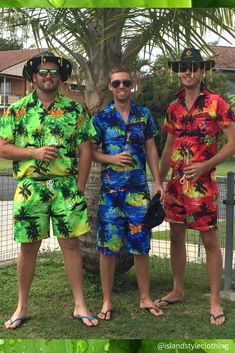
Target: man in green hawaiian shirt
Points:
(42, 133)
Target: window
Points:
(7, 89)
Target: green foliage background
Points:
(95, 3)
(156, 94)
(213, 3)
(10, 44)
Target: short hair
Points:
(120, 68)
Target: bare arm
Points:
(195, 170)
(84, 164)
(15, 153)
(153, 163)
(166, 156)
(123, 159)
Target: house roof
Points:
(9, 58)
(224, 57)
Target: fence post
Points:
(228, 266)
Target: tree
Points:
(97, 39)
(10, 44)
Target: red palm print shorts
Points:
(192, 203)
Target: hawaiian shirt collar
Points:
(203, 92)
(37, 100)
(111, 107)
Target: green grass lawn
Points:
(222, 169)
(5, 164)
(51, 305)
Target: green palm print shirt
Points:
(27, 123)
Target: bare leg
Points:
(74, 271)
(178, 260)
(214, 269)
(26, 263)
(107, 269)
(142, 274)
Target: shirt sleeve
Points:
(151, 129)
(168, 124)
(7, 126)
(97, 139)
(86, 130)
(224, 114)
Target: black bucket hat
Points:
(191, 55)
(155, 213)
(64, 65)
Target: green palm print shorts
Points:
(36, 202)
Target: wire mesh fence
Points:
(8, 247)
(160, 244)
(194, 247)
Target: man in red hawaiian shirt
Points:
(193, 123)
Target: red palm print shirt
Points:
(196, 130)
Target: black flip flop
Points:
(149, 308)
(105, 314)
(216, 318)
(22, 320)
(168, 302)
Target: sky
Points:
(211, 37)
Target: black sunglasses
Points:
(116, 83)
(44, 72)
(191, 67)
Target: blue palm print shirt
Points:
(116, 136)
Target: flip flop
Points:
(167, 302)
(216, 318)
(149, 308)
(82, 317)
(105, 314)
(22, 320)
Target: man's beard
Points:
(45, 89)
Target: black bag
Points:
(155, 213)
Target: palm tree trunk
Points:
(90, 255)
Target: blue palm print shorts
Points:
(121, 223)
(38, 201)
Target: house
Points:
(12, 84)
(225, 62)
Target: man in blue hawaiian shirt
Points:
(126, 132)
